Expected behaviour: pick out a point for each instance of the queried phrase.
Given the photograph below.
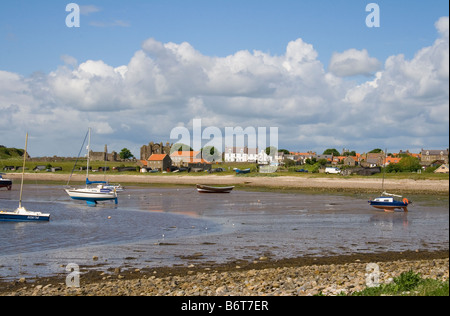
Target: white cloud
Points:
(88, 9)
(353, 62)
(167, 84)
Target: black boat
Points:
(209, 189)
(5, 183)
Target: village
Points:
(157, 157)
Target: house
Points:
(444, 168)
(183, 158)
(236, 154)
(391, 160)
(429, 156)
(252, 155)
(371, 160)
(350, 161)
(159, 162)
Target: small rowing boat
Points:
(210, 189)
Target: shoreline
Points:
(302, 276)
(278, 182)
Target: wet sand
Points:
(335, 183)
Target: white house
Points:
(236, 154)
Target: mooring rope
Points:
(79, 153)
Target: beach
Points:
(256, 262)
(328, 276)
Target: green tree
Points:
(376, 151)
(331, 151)
(211, 154)
(409, 163)
(271, 150)
(125, 153)
(180, 147)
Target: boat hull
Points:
(209, 189)
(389, 207)
(92, 196)
(6, 184)
(12, 217)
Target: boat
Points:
(5, 183)
(106, 185)
(93, 194)
(21, 214)
(210, 189)
(243, 171)
(389, 202)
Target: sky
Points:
(136, 70)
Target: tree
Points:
(270, 151)
(211, 154)
(125, 153)
(376, 151)
(331, 151)
(180, 147)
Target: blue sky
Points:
(34, 34)
(309, 57)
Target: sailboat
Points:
(389, 202)
(21, 214)
(92, 194)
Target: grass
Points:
(408, 284)
(68, 165)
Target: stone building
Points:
(160, 162)
(103, 156)
(430, 156)
(152, 148)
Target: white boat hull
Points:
(92, 195)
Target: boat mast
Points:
(88, 154)
(23, 170)
(384, 170)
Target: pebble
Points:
(329, 280)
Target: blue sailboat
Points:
(21, 214)
(389, 202)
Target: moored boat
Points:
(388, 203)
(213, 189)
(5, 183)
(242, 171)
(21, 214)
(93, 194)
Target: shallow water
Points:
(177, 226)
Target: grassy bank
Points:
(408, 284)
(68, 165)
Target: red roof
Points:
(157, 157)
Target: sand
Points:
(334, 183)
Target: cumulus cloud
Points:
(353, 62)
(165, 85)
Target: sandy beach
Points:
(334, 183)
